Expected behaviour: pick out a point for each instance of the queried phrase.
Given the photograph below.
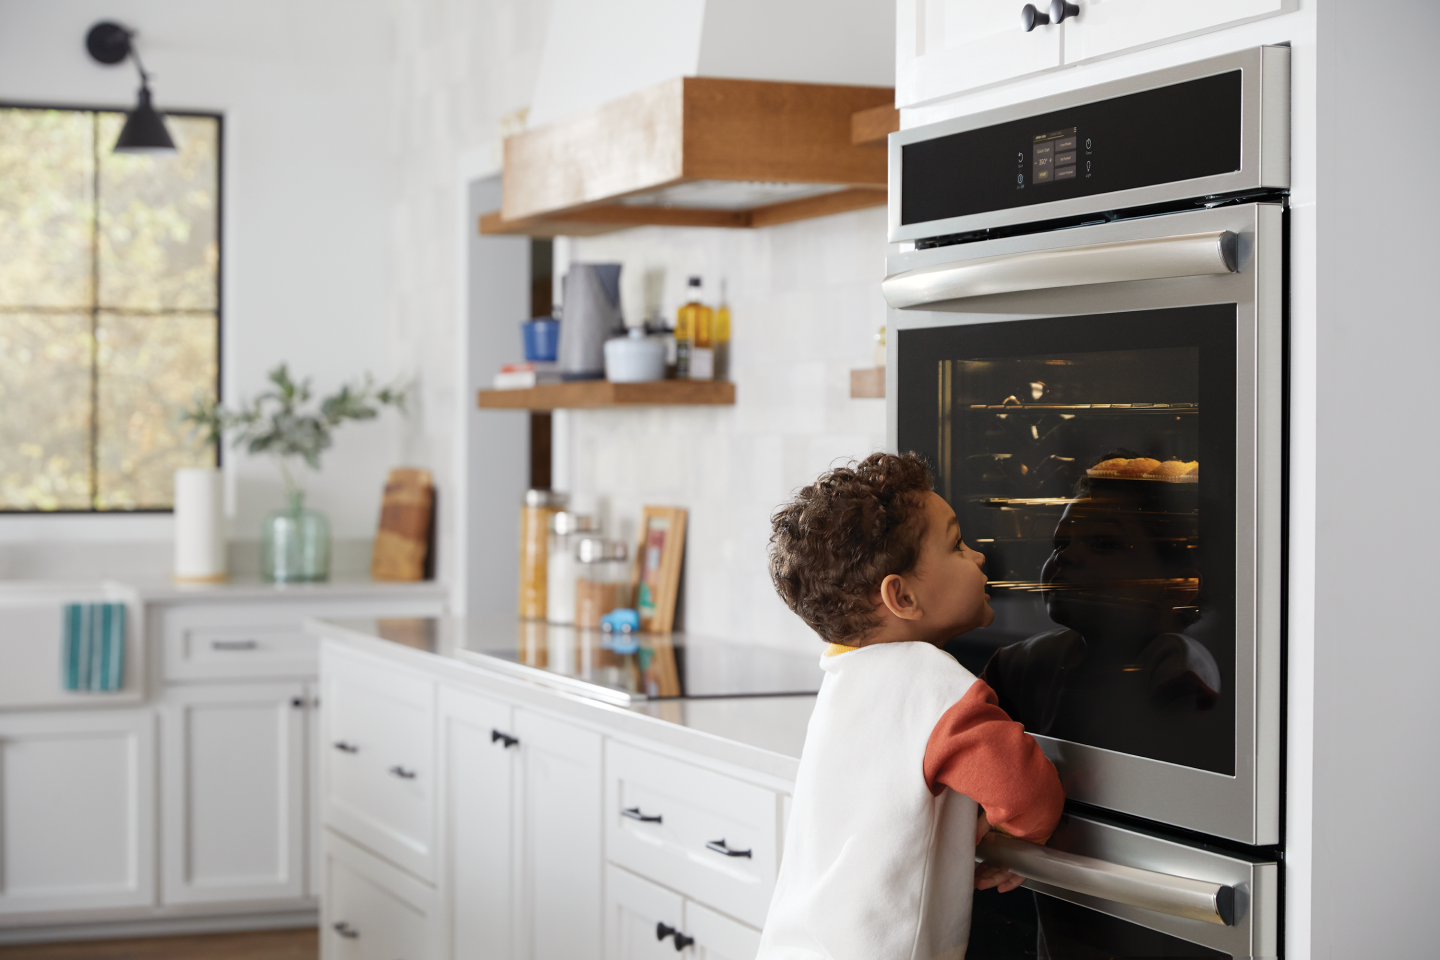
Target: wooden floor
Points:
(261, 945)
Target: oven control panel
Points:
(1169, 134)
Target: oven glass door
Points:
(1092, 460)
(1102, 408)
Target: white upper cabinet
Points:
(948, 47)
(1104, 27)
(945, 47)
(232, 801)
(77, 811)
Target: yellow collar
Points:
(835, 649)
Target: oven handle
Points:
(1161, 892)
(1195, 255)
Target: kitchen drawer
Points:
(378, 747)
(372, 911)
(718, 937)
(674, 823)
(218, 643)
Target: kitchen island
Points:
(489, 788)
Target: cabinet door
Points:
(560, 810)
(945, 47)
(378, 772)
(477, 771)
(641, 918)
(233, 800)
(717, 937)
(371, 910)
(77, 811)
(1105, 27)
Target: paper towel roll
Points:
(199, 525)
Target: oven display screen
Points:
(1170, 134)
(1053, 156)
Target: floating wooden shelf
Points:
(868, 382)
(603, 393)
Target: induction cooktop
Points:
(640, 667)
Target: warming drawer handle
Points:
(719, 847)
(634, 814)
(1161, 892)
(1158, 258)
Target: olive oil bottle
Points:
(721, 337)
(693, 323)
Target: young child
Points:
(908, 759)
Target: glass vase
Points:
(295, 544)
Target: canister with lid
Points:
(602, 579)
(535, 515)
(566, 529)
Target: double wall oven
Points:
(1087, 305)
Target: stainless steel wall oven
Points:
(1087, 304)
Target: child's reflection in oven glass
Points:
(1123, 584)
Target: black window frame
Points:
(95, 308)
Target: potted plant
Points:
(295, 540)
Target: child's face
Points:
(948, 578)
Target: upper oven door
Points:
(1102, 407)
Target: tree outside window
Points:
(109, 308)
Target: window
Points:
(109, 308)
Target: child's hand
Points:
(986, 875)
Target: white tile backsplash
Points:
(805, 304)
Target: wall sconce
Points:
(144, 130)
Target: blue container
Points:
(542, 338)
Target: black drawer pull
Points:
(403, 774)
(297, 702)
(719, 847)
(634, 814)
(347, 931)
(682, 941)
(344, 747)
(233, 644)
(508, 740)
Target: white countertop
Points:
(168, 591)
(763, 734)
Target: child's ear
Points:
(898, 598)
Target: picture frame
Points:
(658, 557)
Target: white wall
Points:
(1376, 837)
(805, 303)
(307, 177)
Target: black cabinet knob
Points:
(347, 931)
(663, 930)
(505, 738)
(1060, 11)
(682, 941)
(1030, 18)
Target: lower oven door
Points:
(1103, 890)
(1102, 407)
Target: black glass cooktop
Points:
(634, 668)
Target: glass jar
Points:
(565, 531)
(540, 506)
(295, 544)
(602, 579)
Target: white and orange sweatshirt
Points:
(879, 858)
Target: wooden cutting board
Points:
(406, 513)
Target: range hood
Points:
(699, 151)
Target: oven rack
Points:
(1084, 407)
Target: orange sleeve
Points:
(977, 750)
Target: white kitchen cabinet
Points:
(378, 777)
(644, 921)
(1106, 27)
(560, 819)
(478, 758)
(945, 47)
(77, 811)
(233, 770)
(372, 910)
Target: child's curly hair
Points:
(836, 539)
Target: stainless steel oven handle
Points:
(1161, 892)
(1158, 258)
